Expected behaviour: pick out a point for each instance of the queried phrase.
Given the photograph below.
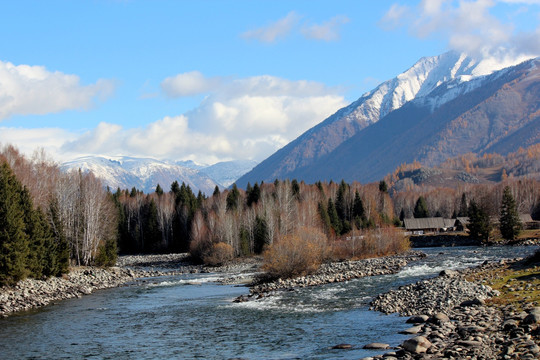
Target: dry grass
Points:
(518, 284)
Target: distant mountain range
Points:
(441, 107)
(145, 173)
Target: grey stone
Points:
(418, 344)
(449, 273)
(439, 318)
(411, 331)
(377, 346)
(473, 302)
(417, 319)
(532, 318)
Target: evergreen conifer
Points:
(509, 222)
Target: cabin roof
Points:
(424, 223)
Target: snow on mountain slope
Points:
(421, 79)
(141, 173)
(227, 172)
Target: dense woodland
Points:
(50, 218)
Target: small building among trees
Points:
(419, 226)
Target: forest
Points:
(51, 219)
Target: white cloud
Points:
(244, 118)
(188, 84)
(241, 118)
(275, 30)
(26, 90)
(527, 2)
(467, 26)
(29, 140)
(327, 31)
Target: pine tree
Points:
(232, 198)
(295, 188)
(383, 186)
(358, 207)
(216, 191)
(341, 204)
(479, 222)
(420, 209)
(261, 237)
(463, 208)
(244, 241)
(58, 254)
(509, 222)
(159, 190)
(323, 212)
(13, 239)
(36, 229)
(334, 218)
(253, 194)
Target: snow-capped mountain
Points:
(145, 173)
(421, 79)
(227, 172)
(432, 81)
(141, 173)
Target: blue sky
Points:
(220, 80)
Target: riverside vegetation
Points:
(69, 218)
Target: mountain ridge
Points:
(444, 77)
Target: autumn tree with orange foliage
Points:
(297, 254)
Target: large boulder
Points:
(532, 318)
(418, 344)
(439, 318)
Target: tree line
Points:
(89, 223)
(49, 219)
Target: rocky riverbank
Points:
(336, 272)
(32, 293)
(452, 321)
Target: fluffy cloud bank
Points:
(239, 118)
(469, 26)
(26, 90)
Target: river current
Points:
(193, 317)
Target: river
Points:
(193, 317)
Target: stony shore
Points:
(452, 321)
(336, 272)
(33, 293)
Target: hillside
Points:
(452, 113)
(468, 169)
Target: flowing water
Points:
(192, 317)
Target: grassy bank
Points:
(517, 282)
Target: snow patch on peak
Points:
(421, 79)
